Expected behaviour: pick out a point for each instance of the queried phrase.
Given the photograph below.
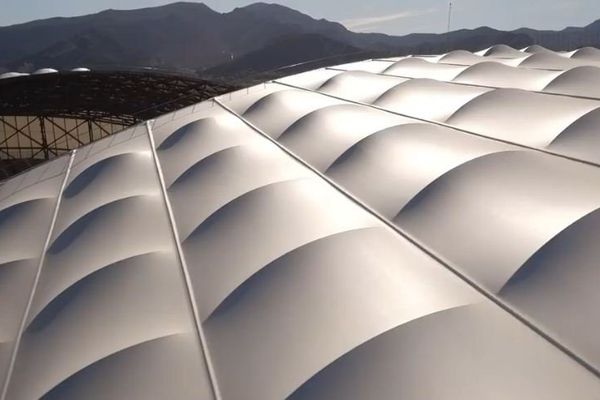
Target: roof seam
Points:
(42, 259)
(183, 264)
(424, 248)
(442, 124)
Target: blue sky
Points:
(388, 16)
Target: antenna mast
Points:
(449, 15)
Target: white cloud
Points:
(359, 24)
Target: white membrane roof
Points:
(409, 228)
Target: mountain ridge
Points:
(247, 40)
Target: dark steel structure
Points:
(43, 116)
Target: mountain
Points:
(254, 39)
(177, 35)
(286, 55)
(188, 35)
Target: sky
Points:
(396, 17)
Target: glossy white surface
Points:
(369, 231)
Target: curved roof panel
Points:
(26, 207)
(460, 57)
(503, 76)
(346, 124)
(437, 343)
(430, 99)
(536, 48)
(579, 81)
(419, 68)
(43, 71)
(406, 157)
(519, 116)
(359, 85)
(8, 75)
(500, 51)
(551, 61)
(587, 54)
(580, 139)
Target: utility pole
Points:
(449, 15)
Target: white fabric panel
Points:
(359, 86)
(301, 239)
(579, 81)
(392, 365)
(418, 68)
(261, 303)
(503, 76)
(521, 117)
(324, 135)
(27, 204)
(500, 51)
(429, 99)
(110, 288)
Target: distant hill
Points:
(288, 51)
(248, 40)
(178, 35)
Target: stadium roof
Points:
(106, 96)
(46, 115)
(412, 228)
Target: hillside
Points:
(256, 38)
(178, 35)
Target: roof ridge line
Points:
(445, 125)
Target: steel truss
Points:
(44, 116)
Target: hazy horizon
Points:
(385, 16)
